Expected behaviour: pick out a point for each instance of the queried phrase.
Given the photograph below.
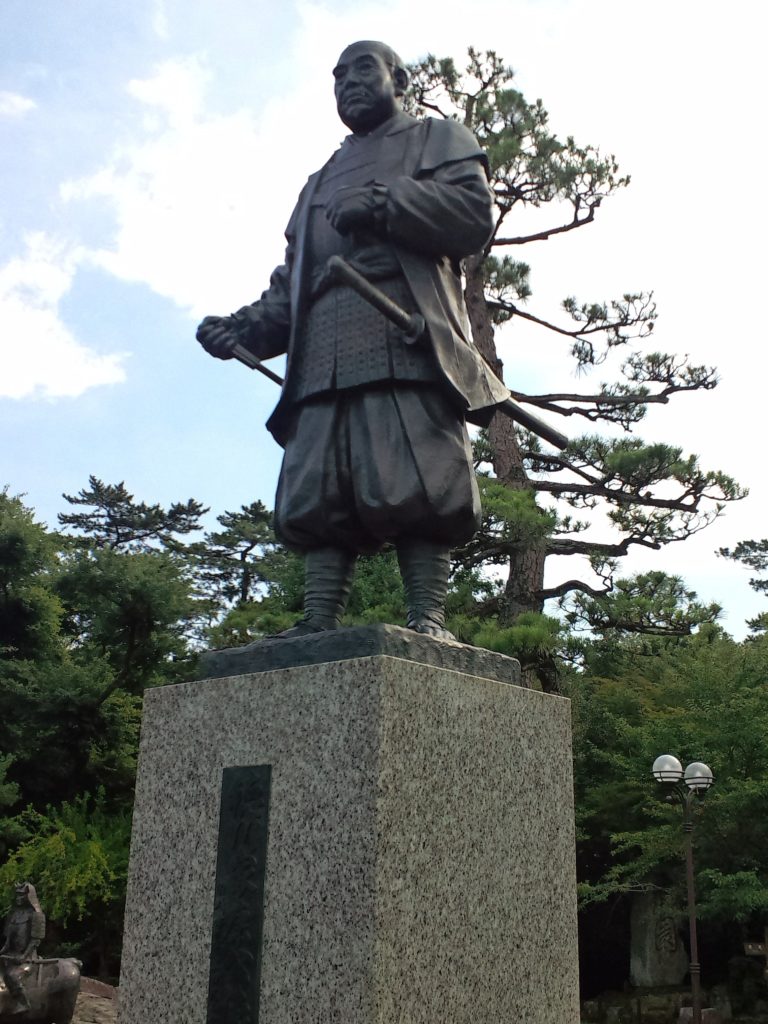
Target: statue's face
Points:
(365, 88)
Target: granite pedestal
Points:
(419, 853)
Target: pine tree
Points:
(652, 494)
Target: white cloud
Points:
(160, 24)
(13, 104)
(177, 89)
(192, 196)
(39, 356)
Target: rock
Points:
(92, 1009)
(708, 1015)
(657, 956)
(618, 1015)
(720, 999)
(659, 1007)
(590, 1010)
(94, 987)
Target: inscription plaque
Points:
(238, 909)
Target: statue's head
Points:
(26, 896)
(370, 79)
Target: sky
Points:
(152, 154)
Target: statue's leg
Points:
(425, 567)
(16, 990)
(328, 574)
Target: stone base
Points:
(709, 1015)
(359, 642)
(420, 862)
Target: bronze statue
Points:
(31, 988)
(373, 415)
(24, 931)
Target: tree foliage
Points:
(650, 671)
(651, 494)
(87, 623)
(700, 698)
(754, 555)
(113, 519)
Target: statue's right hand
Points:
(218, 336)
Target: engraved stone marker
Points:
(238, 910)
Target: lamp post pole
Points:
(686, 786)
(694, 966)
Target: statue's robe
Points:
(374, 428)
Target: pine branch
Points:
(598, 490)
(543, 236)
(576, 333)
(563, 546)
(569, 586)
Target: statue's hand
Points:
(352, 208)
(218, 336)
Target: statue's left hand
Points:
(351, 208)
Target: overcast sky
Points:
(152, 153)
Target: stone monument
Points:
(657, 954)
(366, 826)
(370, 837)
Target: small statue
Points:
(31, 988)
(24, 931)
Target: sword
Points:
(245, 356)
(413, 327)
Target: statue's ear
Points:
(400, 76)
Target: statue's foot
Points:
(430, 626)
(304, 627)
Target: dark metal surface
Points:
(411, 324)
(248, 359)
(401, 203)
(238, 912)
(51, 987)
(359, 642)
(687, 798)
(535, 424)
(43, 991)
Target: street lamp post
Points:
(686, 786)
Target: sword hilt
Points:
(413, 327)
(411, 324)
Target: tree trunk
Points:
(525, 580)
(526, 566)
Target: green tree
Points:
(77, 855)
(127, 614)
(30, 612)
(114, 519)
(652, 494)
(233, 562)
(650, 603)
(701, 698)
(754, 555)
(88, 623)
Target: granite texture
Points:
(420, 865)
(359, 642)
